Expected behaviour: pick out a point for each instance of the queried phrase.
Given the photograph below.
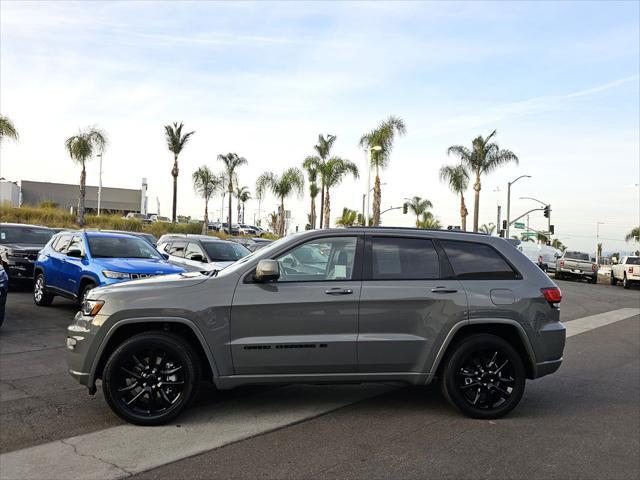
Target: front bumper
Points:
(19, 269)
(82, 348)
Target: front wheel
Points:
(613, 280)
(151, 378)
(484, 377)
(41, 297)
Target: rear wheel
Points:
(151, 378)
(41, 296)
(558, 276)
(594, 279)
(483, 376)
(625, 282)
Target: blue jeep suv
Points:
(72, 263)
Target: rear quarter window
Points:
(477, 261)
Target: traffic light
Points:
(547, 211)
(405, 208)
(551, 229)
(504, 224)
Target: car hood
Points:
(147, 266)
(24, 247)
(151, 284)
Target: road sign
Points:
(518, 225)
(529, 234)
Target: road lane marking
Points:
(585, 324)
(125, 450)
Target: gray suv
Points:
(327, 306)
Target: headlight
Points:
(90, 308)
(117, 275)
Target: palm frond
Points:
(7, 129)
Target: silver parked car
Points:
(197, 253)
(327, 306)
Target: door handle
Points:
(443, 290)
(339, 291)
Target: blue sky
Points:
(558, 80)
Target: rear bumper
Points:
(579, 274)
(552, 338)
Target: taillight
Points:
(630, 269)
(552, 294)
(561, 263)
(593, 267)
(540, 259)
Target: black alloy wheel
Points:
(151, 378)
(484, 377)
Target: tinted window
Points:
(193, 249)
(76, 244)
(177, 249)
(318, 260)
(476, 261)
(61, 244)
(577, 256)
(404, 259)
(121, 247)
(633, 261)
(225, 251)
(28, 235)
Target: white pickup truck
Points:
(627, 271)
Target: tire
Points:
(558, 276)
(41, 297)
(613, 280)
(625, 283)
(138, 358)
(593, 279)
(483, 398)
(84, 292)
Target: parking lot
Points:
(582, 422)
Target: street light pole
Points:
(598, 223)
(509, 201)
(100, 183)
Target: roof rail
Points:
(453, 230)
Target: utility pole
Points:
(509, 201)
(99, 183)
(598, 223)
(498, 220)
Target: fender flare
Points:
(482, 321)
(160, 320)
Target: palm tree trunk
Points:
(205, 224)
(243, 212)
(230, 200)
(313, 213)
(321, 201)
(83, 180)
(239, 210)
(327, 209)
(463, 212)
(281, 218)
(174, 174)
(476, 202)
(377, 198)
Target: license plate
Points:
(576, 271)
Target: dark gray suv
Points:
(327, 306)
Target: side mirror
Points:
(75, 253)
(267, 271)
(196, 257)
(165, 255)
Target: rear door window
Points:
(477, 261)
(403, 259)
(177, 249)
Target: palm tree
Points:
(323, 150)
(541, 238)
(231, 162)
(488, 229)
(7, 129)
(348, 218)
(383, 136)
(558, 245)
(242, 194)
(526, 238)
(484, 157)
(458, 179)
(272, 220)
(81, 148)
(206, 183)
(418, 206)
(175, 143)
(311, 166)
(332, 172)
(291, 181)
(634, 234)
(429, 221)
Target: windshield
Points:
(18, 234)
(633, 261)
(225, 251)
(121, 247)
(577, 256)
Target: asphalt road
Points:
(582, 422)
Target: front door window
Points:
(319, 260)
